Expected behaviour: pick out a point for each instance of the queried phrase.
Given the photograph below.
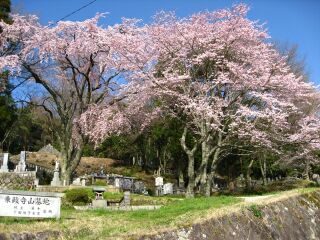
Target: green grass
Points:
(256, 211)
(103, 224)
(97, 224)
(168, 213)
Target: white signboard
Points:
(159, 181)
(16, 205)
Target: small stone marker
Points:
(30, 204)
(4, 167)
(117, 183)
(168, 188)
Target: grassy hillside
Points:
(89, 165)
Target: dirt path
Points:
(255, 198)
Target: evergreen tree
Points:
(5, 9)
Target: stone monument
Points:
(56, 176)
(4, 167)
(21, 167)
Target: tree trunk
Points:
(263, 168)
(202, 177)
(207, 150)
(306, 169)
(191, 180)
(181, 177)
(212, 170)
(248, 178)
(71, 147)
(190, 154)
(216, 152)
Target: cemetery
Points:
(151, 120)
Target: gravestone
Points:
(117, 182)
(126, 199)
(159, 181)
(126, 183)
(159, 186)
(76, 182)
(30, 204)
(138, 187)
(56, 176)
(21, 167)
(168, 189)
(4, 167)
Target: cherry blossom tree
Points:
(74, 65)
(218, 73)
(215, 71)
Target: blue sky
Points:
(291, 21)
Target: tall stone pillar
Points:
(4, 167)
(21, 167)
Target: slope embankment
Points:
(289, 216)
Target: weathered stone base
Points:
(99, 203)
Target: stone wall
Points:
(294, 218)
(17, 181)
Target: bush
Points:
(109, 196)
(79, 196)
(255, 210)
(100, 183)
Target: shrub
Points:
(79, 196)
(100, 183)
(255, 210)
(113, 196)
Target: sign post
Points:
(30, 204)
